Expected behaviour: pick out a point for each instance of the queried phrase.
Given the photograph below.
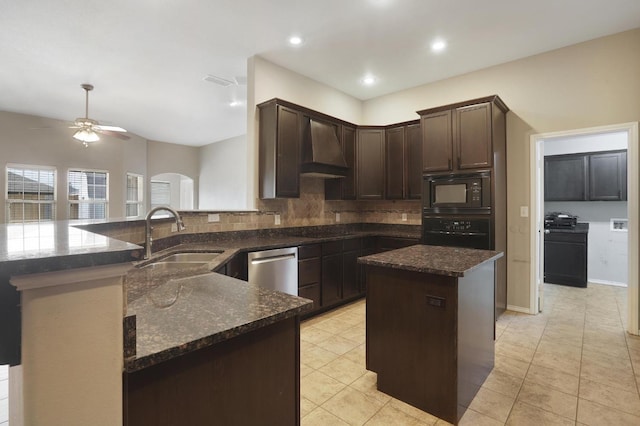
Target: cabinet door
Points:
(437, 143)
(472, 136)
(370, 170)
(350, 284)
(414, 161)
(344, 188)
(565, 262)
(395, 163)
(288, 153)
(331, 278)
(608, 176)
(565, 178)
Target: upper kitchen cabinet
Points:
(608, 176)
(395, 161)
(414, 161)
(596, 176)
(344, 188)
(280, 138)
(461, 136)
(370, 163)
(566, 177)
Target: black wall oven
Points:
(470, 232)
(459, 194)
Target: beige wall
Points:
(165, 157)
(31, 140)
(223, 175)
(589, 84)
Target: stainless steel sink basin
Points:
(190, 257)
(169, 267)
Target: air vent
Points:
(237, 81)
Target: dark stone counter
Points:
(187, 314)
(448, 261)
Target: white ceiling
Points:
(147, 58)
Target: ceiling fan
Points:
(88, 129)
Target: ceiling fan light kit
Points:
(88, 129)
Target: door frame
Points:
(535, 194)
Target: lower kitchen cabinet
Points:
(236, 267)
(332, 268)
(565, 256)
(310, 273)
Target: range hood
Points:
(321, 152)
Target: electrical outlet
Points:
(404, 217)
(337, 217)
(524, 211)
(174, 227)
(276, 217)
(214, 217)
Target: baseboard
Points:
(518, 309)
(605, 282)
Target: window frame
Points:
(10, 201)
(140, 201)
(93, 201)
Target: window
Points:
(31, 194)
(160, 193)
(133, 206)
(88, 194)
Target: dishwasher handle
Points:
(276, 258)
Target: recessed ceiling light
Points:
(438, 45)
(295, 40)
(368, 80)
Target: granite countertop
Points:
(187, 314)
(53, 246)
(449, 261)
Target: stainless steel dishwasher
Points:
(275, 269)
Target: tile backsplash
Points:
(311, 209)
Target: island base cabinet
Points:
(252, 379)
(429, 337)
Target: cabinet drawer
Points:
(311, 250)
(352, 244)
(391, 243)
(311, 292)
(331, 247)
(566, 237)
(309, 271)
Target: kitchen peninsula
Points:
(430, 325)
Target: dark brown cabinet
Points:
(332, 269)
(350, 275)
(608, 176)
(395, 158)
(595, 176)
(310, 273)
(279, 152)
(565, 256)
(566, 177)
(414, 161)
(370, 160)
(344, 188)
(236, 267)
(460, 136)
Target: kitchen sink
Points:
(169, 267)
(190, 257)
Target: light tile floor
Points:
(572, 365)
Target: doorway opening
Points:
(537, 213)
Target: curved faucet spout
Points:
(148, 239)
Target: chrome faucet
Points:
(148, 239)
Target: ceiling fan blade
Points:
(109, 128)
(112, 133)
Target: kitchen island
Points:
(430, 325)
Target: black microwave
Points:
(468, 193)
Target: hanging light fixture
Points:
(86, 135)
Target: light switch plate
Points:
(214, 217)
(524, 211)
(174, 227)
(277, 219)
(337, 217)
(404, 217)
